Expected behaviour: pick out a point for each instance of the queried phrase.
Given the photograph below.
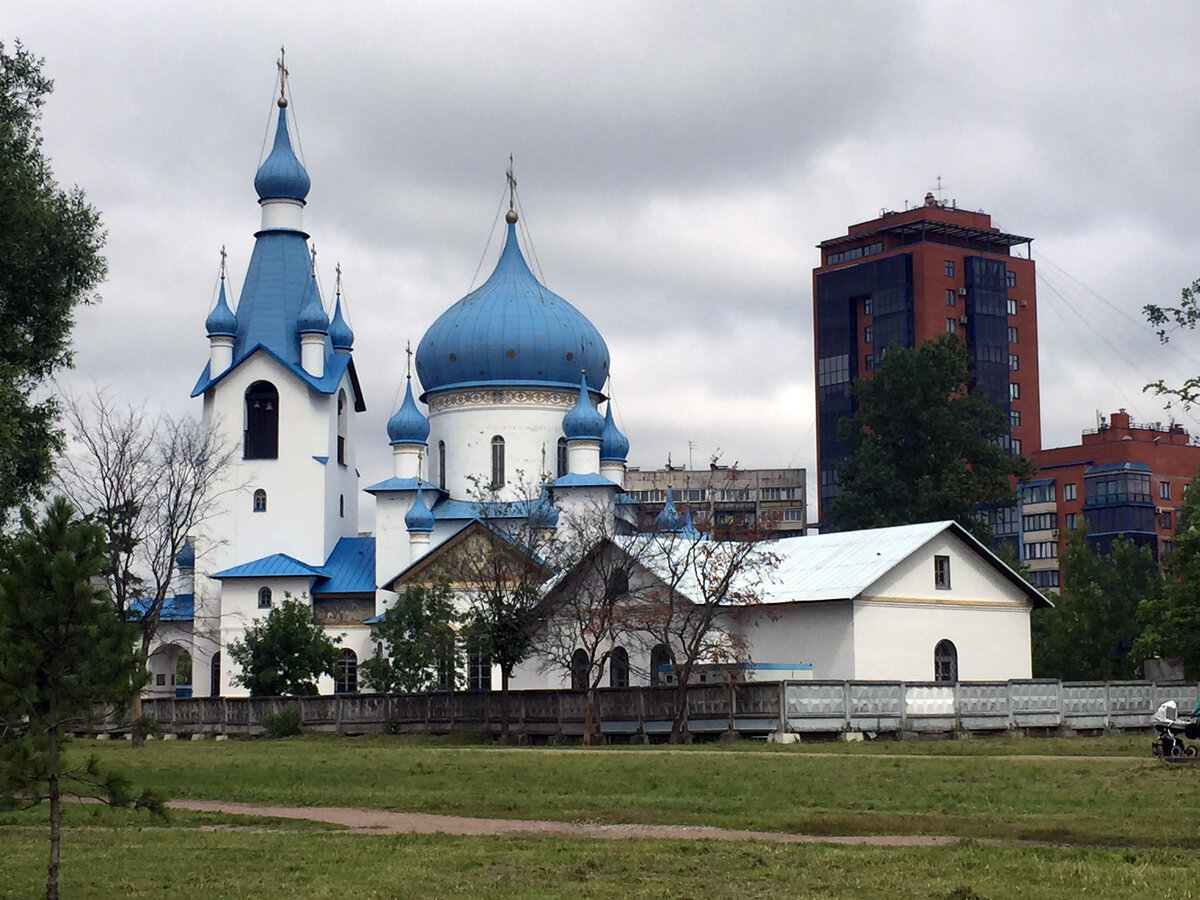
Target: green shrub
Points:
(282, 723)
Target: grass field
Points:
(1129, 818)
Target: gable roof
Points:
(455, 543)
(335, 365)
(350, 568)
(277, 565)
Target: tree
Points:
(688, 607)
(62, 652)
(923, 444)
(1172, 617)
(150, 481)
(1090, 633)
(284, 654)
(1168, 319)
(50, 262)
(420, 644)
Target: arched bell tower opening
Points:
(261, 434)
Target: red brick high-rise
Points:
(909, 276)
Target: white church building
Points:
(511, 381)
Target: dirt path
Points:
(377, 821)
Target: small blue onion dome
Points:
(281, 176)
(185, 559)
(408, 424)
(419, 518)
(221, 321)
(613, 444)
(340, 332)
(313, 319)
(542, 513)
(668, 518)
(583, 421)
(688, 528)
(511, 330)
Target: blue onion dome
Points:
(688, 528)
(221, 321)
(408, 424)
(186, 557)
(281, 176)
(313, 319)
(613, 444)
(511, 330)
(419, 518)
(340, 332)
(542, 513)
(668, 517)
(583, 421)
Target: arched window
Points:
(562, 457)
(262, 422)
(618, 668)
(660, 664)
(498, 461)
(260, 500)
(341, 428)
(214, 668)
(345, 673)
(264, 598)
(342, 505)
(945, 662)
(579, 670)
(442, 465)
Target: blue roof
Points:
(613, 444)
(400, 484)
(668, 518)
(583, 420)
(313, 319)
(186, 557)
(511, 330)
(419, 518)
(179, 608)
(474, 509)
(335, 367)
(408, 424)
(221, 321)
(590, 480)
(350, 568)
(1117, 467)
(341, 335)
(281, 175)
(277, 565)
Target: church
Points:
(511, 381)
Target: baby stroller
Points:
(1171, 729)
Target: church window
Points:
(260, 500)
(562, 457)
(264, 598)
(442, 465)
(214, 669)
(497, 461)
(941, 573)
(579, 670)
(342, 506)
(341, 428)
(618, 668)
(345, 673)
(479, 666)
(261, 436)
(945, 662)
(660, 664)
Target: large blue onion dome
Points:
(221, 321)
(613, 444)
(281, 175)
(668, 518)
(583, 421)
(408, 424)
(340, 332)
(419, 518)
(511, 330)
(313, 318)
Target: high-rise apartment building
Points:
(909, 276)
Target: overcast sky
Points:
(677, 163)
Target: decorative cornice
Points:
(501, 397)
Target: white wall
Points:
(820, 633)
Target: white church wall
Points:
(972, 578)
(239, 610)
(819, 633)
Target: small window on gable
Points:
(264, 598)
(260, 500)
(941, 573)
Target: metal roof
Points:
(277, 565)
(179, 608)
(1117, 467)
(921, 229)
(350, 568)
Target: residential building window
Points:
(1041, 550)
(941, 573)
(1010, 278)
(261, 423)
(777, 493)
(951, 326)
(345, 673)
(833, 370)
(1069, 490)
(618, 668)
(1012, 334)
(866, 306)
(793, 514)
(561, 461)
(1166, 548)
(1016, 446)
(1164, 490)
(1164, 521)
(1039, 522)
(1014, 391)
(1070, 519)
(867, 333)
(1014, 418)
(949, 298)
(945, 662)
(497, 461)
(1013, 362)
(949, 268)
(1012, 307)
(264, 598)
(260, 500)
(1044, 578)
(1038, 493)
(869, 362)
